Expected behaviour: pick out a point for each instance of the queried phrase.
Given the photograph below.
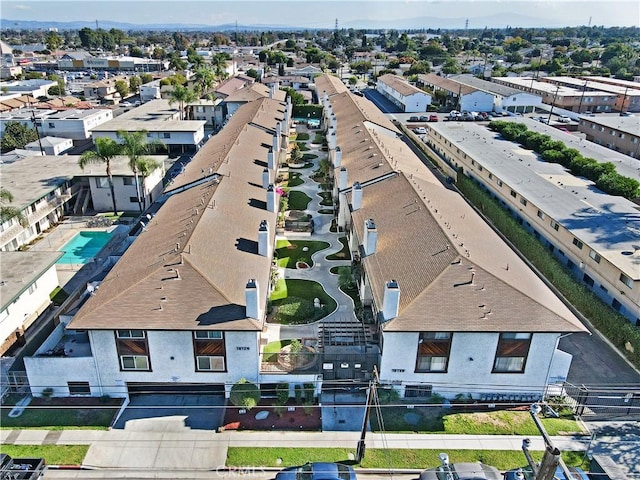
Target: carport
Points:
(155, 406)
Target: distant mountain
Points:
(491, 21)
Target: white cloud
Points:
(22, 7)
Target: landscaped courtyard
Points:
(293, 302)
(297, 253)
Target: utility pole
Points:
(553, 104)
(35, 125)
(584, 87)
(624, 99)
(371, 394)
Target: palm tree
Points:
(136, 147)
(106, 150)
(7, 212)
(204, 80)
(219, 62)
(146, 166)
(182, 95)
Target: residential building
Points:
(150, 91)
(34, 88)
(50, 145)
(407, 97)
(204, 109)
(572, 98)
(26, 282)
(457, 96)
(504, 98)
(81, 60)
(241, 96)
(185, 306)
(44, 199)
(627, 95)
(70, 123)
(594, 234)
(621, 134)
(16, 101)
(161, 121)
(456, 310)
(104, 90)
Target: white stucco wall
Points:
(26, 308)
(55, 372)
(465, 375)
(477, 102)
(125, 193)
(172, 360)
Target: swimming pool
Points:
(84, 246)
(312, 122)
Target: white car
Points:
(420, 130)
(564, 119)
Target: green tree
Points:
(296, 97)
(53, 41)
(204, 79)
(181, 95)
(106, 149)
(253, 73)
(219, 64)
(7, 212)
(135, 146)
(146, 78)
(122, 87)
(16, 135)
(134, 83)
(244, 394)
(176, 62)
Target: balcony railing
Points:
(33, 218)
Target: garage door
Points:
(176, 388)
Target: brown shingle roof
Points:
(399, 84)
(329, 84)
(431, 79)
(206, 235)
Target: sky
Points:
(323, 14)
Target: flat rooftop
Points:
(604, 87)
(19, 270)
(33, 177)
(629, 125)
(608, 224)
(153, 116)
(551, 88)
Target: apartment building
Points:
(458, 96)
(407, 97)
(627, 95)
(70, 123)
(621, 134)
(504, 98)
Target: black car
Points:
(462, 471)
(424, 118)
(318, 471)
(414, 119)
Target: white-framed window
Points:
(555, 225)
(210, 363)
(594, 256)
(523, 201)
(433, 352)
(541, 215)
(130, 333)
(79, 388)
(577, 243)
(134, 362)
(208, 334)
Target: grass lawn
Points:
(298, 200)
(271, 349)
(326, 201)
(387, 458)
(291, 252)
(434, 420)
(309, 156)
(319, 138)
(353, 291)
(61, 413)
(58, 296)
(295, 179)
(343, 254)
(294, 301)
(303, 147)
(326, 211)
(302, 136)
(53, 454)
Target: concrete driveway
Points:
(155, 412)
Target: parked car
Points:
(462, 471)
(21, 468)
(564, 119)
(433, 118)
(420, 130)
(526, 474)
(414, 119)
(318, 471)
(626, 114)
(494, 114)
(424, 118)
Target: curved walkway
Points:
(320, 271)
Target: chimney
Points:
(343, 179)
(356, 197)
(263, 239)
(337, 157)
(272, 199)
(370, 237)
(271, 163)
(265, 178)
(278, 130)
(391, 301)
(272, 89)
(276, 143)
(252, 299)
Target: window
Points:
(133, 350)
(514, 194)
(491, 176)
(166, 135)
(127, 181)
(209, 351)
(555, 225)
(133, 199)
(512, 351)
(523, 201)
(416, 391)
(32, 288)
(577, 243)
(433, 352)
(616, 305)
(134, 362)
(594, 256)
(541, 215)
(588, 280)
(79, 388)
(626, 280)
(499, 182)
(102, 182)
(52, 125)
(130, 333)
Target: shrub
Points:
(282, 393)
(309, 393)
(302, 136)
(244, 394)
(388, 395)
(297, 390)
